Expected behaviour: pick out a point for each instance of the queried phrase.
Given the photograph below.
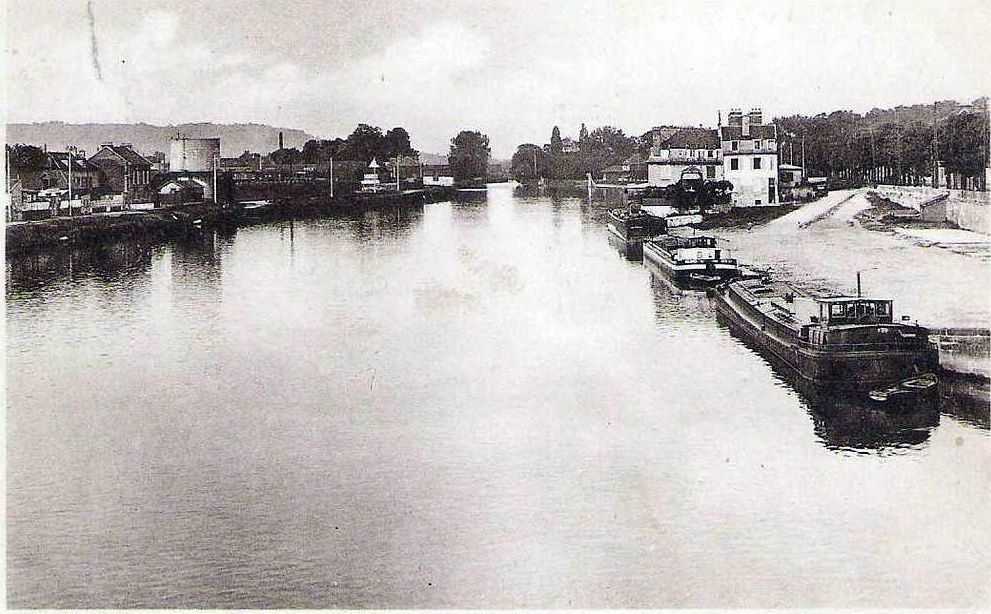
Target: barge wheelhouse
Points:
(850, 343)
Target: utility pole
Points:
(332, 176)
(215, 156)
(535, 176)
(804, 168)
(935, 150)
(870, 130)
(69, 150)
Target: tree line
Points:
(882, 146)
(892, 145)
(468, 156)
(597, 150)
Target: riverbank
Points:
(744, 217)
(167, 223)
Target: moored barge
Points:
(634, 224)
(692, 262)
(846, 343)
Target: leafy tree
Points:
(321, 151)
(363, 144)
(528, 162)
(965, 144)
(606, 146)
(27, 157)
(395, 143)
(469, 155)
(287, 157)
(555, 141)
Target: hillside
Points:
(147, 138)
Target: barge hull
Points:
(859, 371)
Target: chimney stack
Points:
(745, 126)
(756, 116)
(734, 117)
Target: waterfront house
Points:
(124, 170)
(437, 175)
(408, 169)
(750, 154)
(569, 145)
(677, 152)
(54, 174)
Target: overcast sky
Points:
(511, 70)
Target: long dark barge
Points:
(844, 343)
(691, 262)
(634, 224)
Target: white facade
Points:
(750, 159)
(754, 178)
(684, 149)
(438, 180)
(371, 177)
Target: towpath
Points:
(821, 247)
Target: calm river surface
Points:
(478, 404)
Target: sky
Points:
(511, 70)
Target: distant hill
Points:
(147, 138)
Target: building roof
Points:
(789, 167)
(60, 160)
(125, 152)
(692, 138)
(759, 131)
(439, 168)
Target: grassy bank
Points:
(742, 217)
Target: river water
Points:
(477, 404)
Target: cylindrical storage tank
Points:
(194, 155)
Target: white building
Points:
(370, 181)
(437, 175)
(684, 151)
(750, 156)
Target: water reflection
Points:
(853, 422)
(631, 250)
(385, 223)
(106, 261)
(966, 398)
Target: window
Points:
(736, 145)
(757, 144)
(756, 163)
(770, 163)
(758, 201)
(734, 164)
(710, 172)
